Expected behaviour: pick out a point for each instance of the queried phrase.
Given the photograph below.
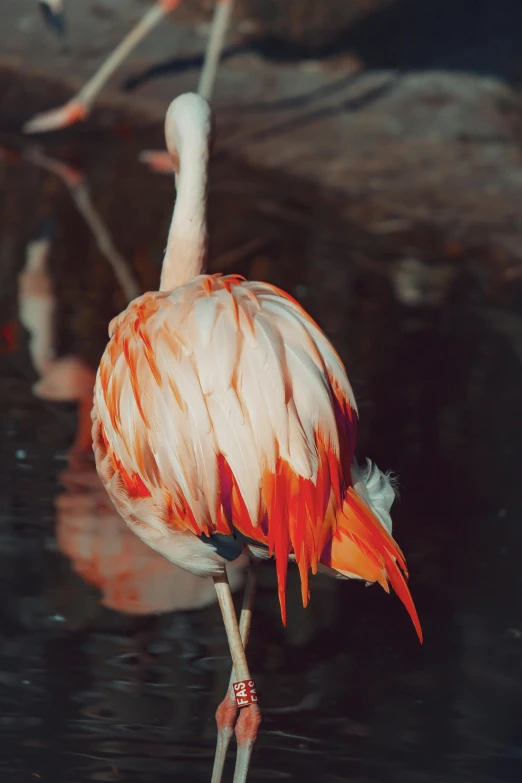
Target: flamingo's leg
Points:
(227, 711)
(79, 106)
(250, 716)
(218, 31)
(157, 160)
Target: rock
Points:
(435, 147)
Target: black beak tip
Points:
(55, 20)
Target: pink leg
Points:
(250, 717)
(218, 31)
(79, 107)
(160, 161)
(247, 727)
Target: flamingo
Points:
(79, 107)
(37, 303)
(224, 423)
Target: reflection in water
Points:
(37, 304)
(131, 577)
(79, 190)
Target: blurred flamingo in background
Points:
(224, 423)
(37, 303)
(79, 107)
(61, 379)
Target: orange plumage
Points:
(300, 502)
(131, 577)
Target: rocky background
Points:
(406, 111)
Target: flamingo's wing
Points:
(223, 407)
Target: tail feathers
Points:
(362, 548)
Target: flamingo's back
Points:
(221, 408)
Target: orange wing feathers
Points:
(221, 406)
(362, 547)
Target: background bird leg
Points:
(158, 160)
(218, 30)
(81, 196)
(80, 105)
(119, 265)
(150, 19)
(250, 716)
(227, 711)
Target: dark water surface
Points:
(89, 693)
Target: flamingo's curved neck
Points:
(185, 255)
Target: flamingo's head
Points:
(189, 124)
